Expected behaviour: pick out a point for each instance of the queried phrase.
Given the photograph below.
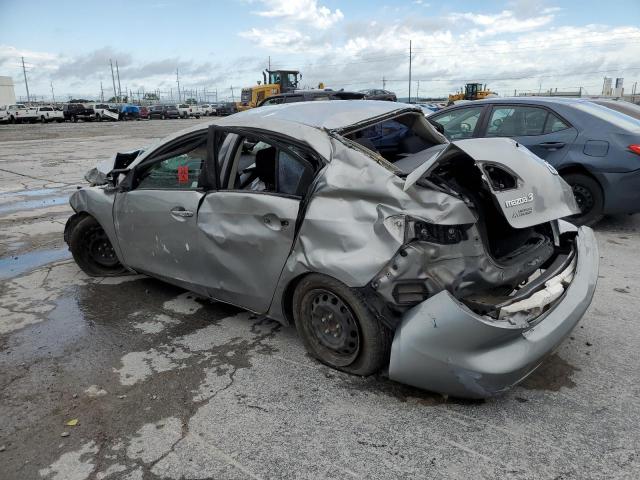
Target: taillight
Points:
(635, 148)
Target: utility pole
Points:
(418, 92)
(178, 82)
(119, 88)
(409, 71)
(101, 92)
(26, 84)
(233, 98)
(113, 79)
(269, 62)
(53, 95)
(384, 83)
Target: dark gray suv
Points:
(595, 149)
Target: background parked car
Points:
(48, 114)
(129, 112)
(163, 112)
(144, 113)
(77, 111)
(594, 148)
(103, 111)
(208, 109)
(379, 94)
(187, 111)
(20, 113)
(311, 95)
(225, 108)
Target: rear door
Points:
(247, 226)
(538, 128)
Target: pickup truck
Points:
(77, 111)
(47, 114)
(20, 113)
(187, 110)
(103, 111)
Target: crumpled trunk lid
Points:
(527, 190)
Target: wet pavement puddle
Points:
(19, 264)
(33, 204)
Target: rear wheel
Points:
(338, 328)
(589, 198)
(92, 249)
(75, 119)
(42, 119)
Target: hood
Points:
(527, 189)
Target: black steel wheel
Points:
(338, 328)
(333, 326)
(589, 197)
(91, 248)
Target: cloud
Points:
(301, 11)
(504, 22)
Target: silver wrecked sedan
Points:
(357, 221)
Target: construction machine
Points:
(472, 91)
(274, 83)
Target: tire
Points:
(12, 119)
(163, 117)
(92, 250)
(42, 119)
(589, 197)
(98, 117)
(60, 120)
(74, 119)
(198, 117)
(338, 328)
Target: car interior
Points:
(259, 166)
(400, 140)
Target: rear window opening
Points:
(397, 138)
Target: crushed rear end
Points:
(476, 307)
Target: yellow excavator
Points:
(472, 91)
(275, 82)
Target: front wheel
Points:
(92, 249)
(338, 328)
(589, 198)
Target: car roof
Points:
(530, 100)
(324, 114)
(301, 120)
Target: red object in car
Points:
(635, 148)
(144, 112)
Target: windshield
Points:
(608, 115)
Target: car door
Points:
(247, 226)
(538, 128)
(156, 220)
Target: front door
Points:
(156, 221)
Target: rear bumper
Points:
(621, 191)
(443, 346)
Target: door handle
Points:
(274, 222)
(552, 145)
(181, 212)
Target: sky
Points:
(511, 45)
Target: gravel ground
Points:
(167, 385)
